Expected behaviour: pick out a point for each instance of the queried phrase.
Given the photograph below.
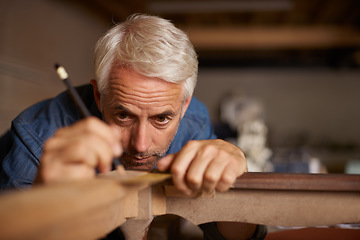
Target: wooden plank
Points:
(297, 181)
(270, 207)
(90, 209)
(148, 178)
(172, 191)
(222, 38)
(278, 199)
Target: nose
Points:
(141, 137)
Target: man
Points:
(146, 72)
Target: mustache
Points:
(127, 159)
(146, 154)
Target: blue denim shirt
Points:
(22, 145)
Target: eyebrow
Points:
(128, 111)
(122, 108)
(166, 113)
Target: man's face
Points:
(146, 110)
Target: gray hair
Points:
(150, 45)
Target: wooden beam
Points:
(270, 207)
(226, 38)
(92, 208)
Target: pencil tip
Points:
(57, 65)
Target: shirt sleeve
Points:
(18, 163)
(22, 146)
(24, 141)
(195, 125)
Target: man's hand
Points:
(205, 165)
(74, 152)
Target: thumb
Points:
(165, 163)
(116, 144)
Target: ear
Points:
(186, 105)
(96, 93)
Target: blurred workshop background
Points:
(281, 78)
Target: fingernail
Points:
(117, 149)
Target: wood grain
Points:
(299, 181)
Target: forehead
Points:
(132, 89)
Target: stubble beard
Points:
(129, 154)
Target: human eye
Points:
(122, 115)
(123, 118)
(161, 120)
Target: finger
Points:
(103, 154)
(94, 152)
(77, 172)
(93, 126)
(116, 144)
(213, 174)
(83, 142)
(90, 150)
(164, 163)
(56, 171)
(195, 174)
(180, 166)
(227, 179)
(79, 149)
(110, 134)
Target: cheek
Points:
(165, 137)
(109, 119)
(125, 140)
